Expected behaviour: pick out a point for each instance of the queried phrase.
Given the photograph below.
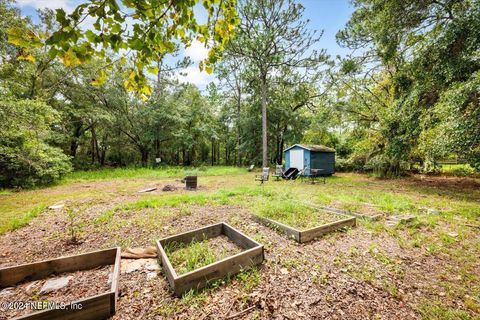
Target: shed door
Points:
(296, 159)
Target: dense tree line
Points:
(407, 97)
(411, 97)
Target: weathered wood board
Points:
(199, 278)
(147, 190)
(101, 306)
(309, 234)
(289, 231)
(345, 212)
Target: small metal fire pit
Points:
(191, 182)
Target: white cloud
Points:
(67, 5)
(195, 76)
(197, 51)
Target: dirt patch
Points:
(444, 182)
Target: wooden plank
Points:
(311, 234)
(147, 190)
(307, 235)
(349, 213)
(92, 308)
(115, 281)
(239, 238)
(34, 271)
(199, 234)
(290, 232)
(167, 266)
(198, 279)
(100, 306)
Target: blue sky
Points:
(327, 15)
(330, 16)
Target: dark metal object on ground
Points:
(291, 174)
(191, 182)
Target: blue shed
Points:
(307, 157)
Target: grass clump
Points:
(461, 170)
(186, 257)
(436, 311)
(21, 221)
(296, 215)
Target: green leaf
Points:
(152, 70)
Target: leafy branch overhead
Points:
(147, 29)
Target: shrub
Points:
(349, 165)
(26, 159)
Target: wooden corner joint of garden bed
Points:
(310, 234)
(100, 306)
(199, 278)
(375, 217)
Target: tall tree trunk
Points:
(264, 120)
(102, 157)
(33, 86)
(226, 153)
(239, 155)
(92, 146)
(213, 152)
(74, 141)
(73, 147)
(95, 141)
(157, 148)
(158, 88)
(281, 144)
(144, 153)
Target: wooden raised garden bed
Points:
(370, 217)
(307, 233)
(373, 217)
(251, 255)
(100, 306)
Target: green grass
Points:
(196, 254)
(436, 311)
(4, 192)
(237, 195)
(295, 215)
(18, 222)
(163, 172)
(461, 170)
